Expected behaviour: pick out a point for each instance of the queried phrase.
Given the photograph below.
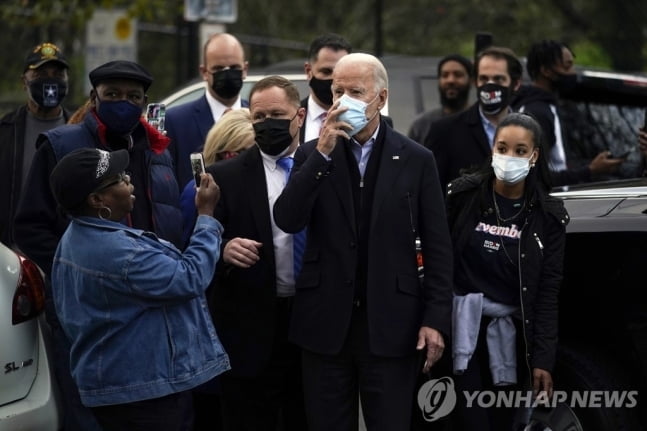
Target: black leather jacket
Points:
(541, 257)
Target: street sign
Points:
(216, 11)
(110, 35)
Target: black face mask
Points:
(493, 98)
(565, 84)
(322, 89)
(227, 83)
(273, 135)
(47, 92)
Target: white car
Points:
(195, 90)
(29, 398)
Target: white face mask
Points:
(510, 169)
(356, 113)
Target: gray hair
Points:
(380, 77)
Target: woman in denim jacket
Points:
(131, 304)
(508, 235)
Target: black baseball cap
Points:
(82, 171)
(121, 69)
(44, 53)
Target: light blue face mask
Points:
(356, 113)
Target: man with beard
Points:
(324, 53)
(551, 68)
(45, 80)
(454, 81)
(465, 140)
(223, 69)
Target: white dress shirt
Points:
(217, 108)
(313, 120)
(275, 178)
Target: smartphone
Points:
(622, 155)
(197, 167)
(645, 121)
(155, 115)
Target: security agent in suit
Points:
(365, 321)
(324, 52)
(254, 284)
(187, 125)
(464, 140)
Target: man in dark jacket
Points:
(365, 322)
(224, 68)
(114, 122)
(551, 68)
(455, 74)
(465, 140)
(325, 51)
(45, 80)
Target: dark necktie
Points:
(299, 238)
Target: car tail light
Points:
(29, 299)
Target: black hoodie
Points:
(536, 101)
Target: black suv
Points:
(603, 310)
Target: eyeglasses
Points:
(122, 177)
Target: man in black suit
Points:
(223, 69)
(254, 283)
(324, 53)
(365, 321)
(465, 140)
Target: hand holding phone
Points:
(156, 115)
(197, 167)
(622, 155)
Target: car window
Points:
(590, 128)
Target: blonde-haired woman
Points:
(232, 134)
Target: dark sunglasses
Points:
(122, 177)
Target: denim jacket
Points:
(134, 309)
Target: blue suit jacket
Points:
(187, 125)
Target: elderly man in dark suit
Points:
(365, 320)
(224, 68)
(254, 284)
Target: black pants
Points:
(334, 383)
(160, 414)
(274, 399)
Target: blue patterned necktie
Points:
(299, 238)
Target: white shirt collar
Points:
(314, 110)
(217, 108)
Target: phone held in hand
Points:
(197, 166)
(155, 115)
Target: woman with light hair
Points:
(232, 134)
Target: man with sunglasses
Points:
(114, 122)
